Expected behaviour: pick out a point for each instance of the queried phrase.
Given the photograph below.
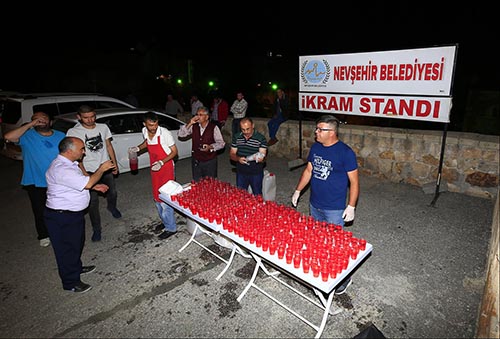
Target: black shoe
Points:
(272, 141)
(342, 288)
(96, 236)
(116, 214)
(160, 227)
(87, 269)
(166, 234)
(81, 287)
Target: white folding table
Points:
(319, 287)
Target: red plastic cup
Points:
(296, 260)
(265, 243)
(345, 263)
(306, 264)
(333, 270)
(325, 273)
(281, 251)
(354, 251)
(338, 267)
(273, 245)
(251, 237)
(362, 244)
(289, 256)
(258, 240)
(315, 269)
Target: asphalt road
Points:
(424, 278)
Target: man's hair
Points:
(203, 109)
(245, 119)
(330, 120)
(85, 109)
(66, 144)
(150, 116)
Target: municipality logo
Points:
(315, 73)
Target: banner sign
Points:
(410, 84)
(426, 71)
(432, 109)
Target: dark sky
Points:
(222, 34)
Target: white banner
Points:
(432, 109)
(426, 71)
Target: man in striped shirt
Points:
(248, 150)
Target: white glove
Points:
(135, 149)
(157, 165)
(295, 198)
(348, 214)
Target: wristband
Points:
(161, 162)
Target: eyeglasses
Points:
(323, 129)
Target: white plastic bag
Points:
(171, 187)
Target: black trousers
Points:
(203, 169)
(38, 197)
(111, 198)
(67, 235)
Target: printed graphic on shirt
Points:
(94, 144)
(48, 144)
(321, 168)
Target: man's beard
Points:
(45, 128)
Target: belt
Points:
(62, 211)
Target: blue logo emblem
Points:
(315, 72)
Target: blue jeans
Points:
(167, 216)
(274, 124)
(330, 216)
(254, 181)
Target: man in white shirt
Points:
(195, 104)
(239, 111)
(98, 149)
(67, 198)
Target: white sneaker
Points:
(44, 242)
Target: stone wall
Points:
(470, 163)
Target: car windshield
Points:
(62, 125)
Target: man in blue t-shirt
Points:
(39, 144)
(331, 169)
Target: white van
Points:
(16, 109)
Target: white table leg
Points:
(190, 239)
(258, 262)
